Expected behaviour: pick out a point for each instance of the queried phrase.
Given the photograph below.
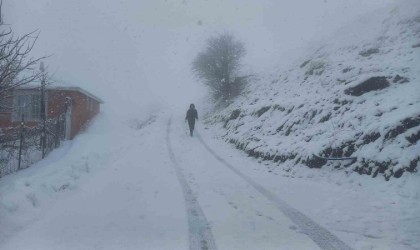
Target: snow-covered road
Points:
(158, 188)
(239, 215)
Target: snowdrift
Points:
(356, 96)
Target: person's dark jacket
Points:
(192, 115)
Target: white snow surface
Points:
(123, 193)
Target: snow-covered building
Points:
(77, 105)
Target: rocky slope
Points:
(356, 96)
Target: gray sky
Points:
(132, 52)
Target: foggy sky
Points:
(135, 53)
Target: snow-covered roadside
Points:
(357, 94)
(366, 213)
(29, 194)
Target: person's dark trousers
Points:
(191, 124)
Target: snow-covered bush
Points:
(315, 67)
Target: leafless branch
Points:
(17, 68)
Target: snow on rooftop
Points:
(58, 84)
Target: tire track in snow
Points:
(321, 236)
(200, 235)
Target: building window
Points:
(90, 104)
(28, 105)
(5, 104)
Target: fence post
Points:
(22, 124)
(57, 132)
(43, 113)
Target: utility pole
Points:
(22, 129)
(43, 114)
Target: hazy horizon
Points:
(138, 53)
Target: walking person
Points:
(191, 117)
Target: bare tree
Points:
(17, 67)
(219, 64)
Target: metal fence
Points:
(21, 146)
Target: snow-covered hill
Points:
(355, 95)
